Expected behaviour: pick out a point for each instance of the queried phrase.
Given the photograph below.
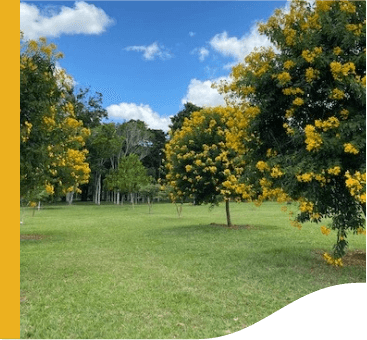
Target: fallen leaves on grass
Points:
(31, 237)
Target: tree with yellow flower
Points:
(308, 140)
(52, 153)
(202, 160)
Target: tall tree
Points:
(153, 160)
(307, 138)
(52, 153)
(103, 144)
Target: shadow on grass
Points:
(212, 228)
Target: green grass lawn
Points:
(117, 272)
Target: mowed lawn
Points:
(117, 272)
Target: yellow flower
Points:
(347, 6)
(284, 78)
(307, 177)
(276, 172)
(350, 148)
(262, 166)
(323, 5)
(325, 230)
(292, 91)
(289, 64)
(50, 189)
(298, 101)
(344, 113)
(32, 204)
(313, 139)
(334, 171)
(337, 94)
(311, 74)
(188, 168)
(337, 50)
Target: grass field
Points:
(117, 272)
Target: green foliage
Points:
(129, 177)
(308, 140)
(52, 139)
(178, 119)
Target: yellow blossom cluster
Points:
(306, 206)
(310, 56)
(323, 6)
(356, 29)
(309, 176)
(334, 262)
(313, 139)
(338, 69)
(312, 22)
(325, 230)
(337, 94)
(258, 62)
(347, 6)
(276, 172)
(344, 113)
(337, 50)
(361, 231)
(262, 166)
(334, 171)
(283, 78)
(330, 123)
(49, 188)
(288, 64)
(25, 131)
(311, 74)
(356, 185)
(292, 91)
(350, 148)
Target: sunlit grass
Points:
(118, 272)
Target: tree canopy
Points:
(306, 133)
(52, 153)
(202, 160)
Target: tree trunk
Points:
(149, 204)
(229, 224)
(69, 197)
(132, 199)
(98, 190)
(39, 206)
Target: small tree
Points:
(129, 177)
(150, 191)
(202, 159)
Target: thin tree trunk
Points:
(229, 224)
(149, 204)
(39, 206)
(99, 189)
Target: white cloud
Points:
(127, 111)
(191, 34)
(152, 51)
(83, 18)
(239, 48)
(202, 52)
(201, 93)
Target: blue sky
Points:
(148, 58)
